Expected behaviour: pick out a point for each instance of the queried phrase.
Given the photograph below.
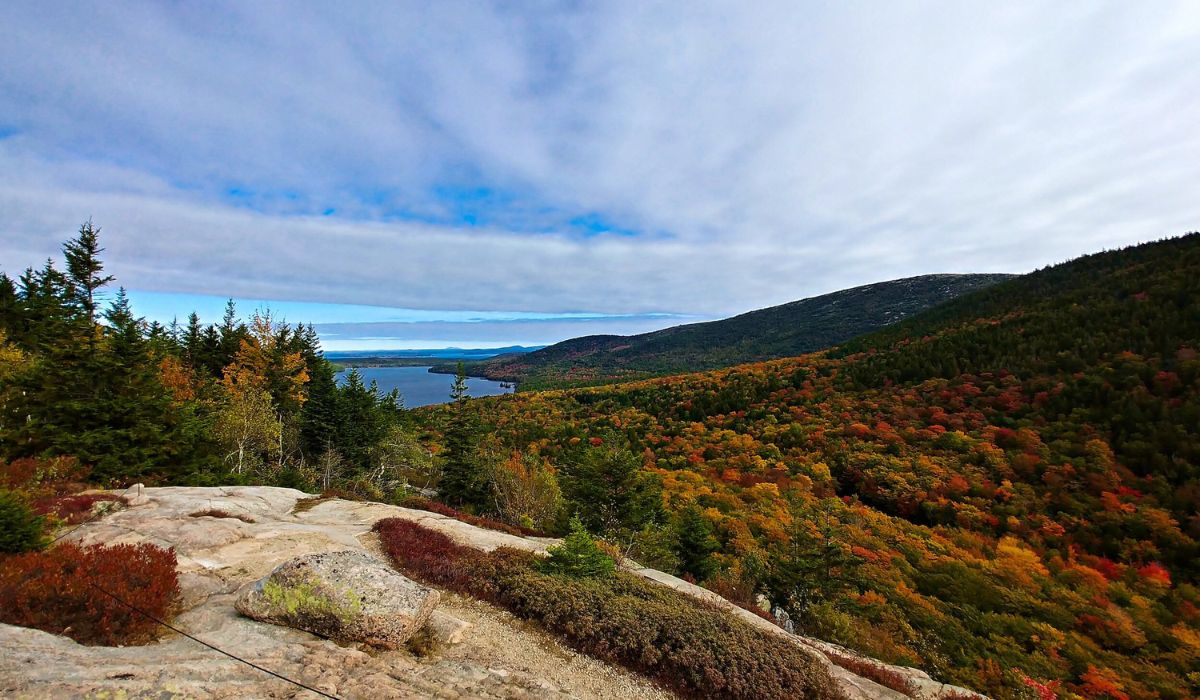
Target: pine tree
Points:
(84, 268)
(360, 422)
(230, 334)
(458, 390)
(578, 556)
(611, 492)
(192, 341)
(694, 543)
(319, 416)
(463, 482)
(10, 306)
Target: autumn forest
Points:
(1003, 490)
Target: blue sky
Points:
(412, 173)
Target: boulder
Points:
(347, 596)
(445, 629)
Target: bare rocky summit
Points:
(226, 559)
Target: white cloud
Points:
(765, 151)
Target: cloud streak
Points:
(621, 158)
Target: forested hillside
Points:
(780, 331)
(1002, 490)
(82, 378)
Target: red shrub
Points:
(54, 475)
(696, 649)
(874, 671)
(59, 591)
(422, 503)
(436, 559)
(72, 509)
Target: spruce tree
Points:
(319, 416)
(694, 543)
(10, 307)
(84, 268)
(609, 490)
(578, 556)
(463, 482)
(192, 342)
(360, 422)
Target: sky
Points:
(412, 175)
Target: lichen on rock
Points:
(305, 598)
(348, 596)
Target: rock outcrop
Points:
(221, 558)
(347, 596)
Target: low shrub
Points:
(21, 529)
(44, 476)
(218, 513)
(873, 671)
(73, 510)
(422, 503)
(694, 648)
(61, 590)
(438, 560)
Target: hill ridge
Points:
(784, 330)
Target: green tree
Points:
(464, 481)
(694, 543)
(578, 556)
(247, 429)
(609, 491)
(84, 268)
(361, 421)
(817, 565)
(21, 530)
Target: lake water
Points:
(420, 387)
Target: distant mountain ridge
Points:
(786, 330)
(449, 352)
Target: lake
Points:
(420, 387)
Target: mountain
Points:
(780, 331)
(443, 353)
(1003, 490)
(415, 358)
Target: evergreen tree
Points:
(463, 481)
(610, 492)
(694, 543)
(48, 317)
(84, 268)
(319, 416)
(10, 306)
(578, 556)
(230, 334)
(107, 406)
(458, 390)
(360, 421)
(192, 342)
(817, 565)
(21, 529)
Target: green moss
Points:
(306, 598)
